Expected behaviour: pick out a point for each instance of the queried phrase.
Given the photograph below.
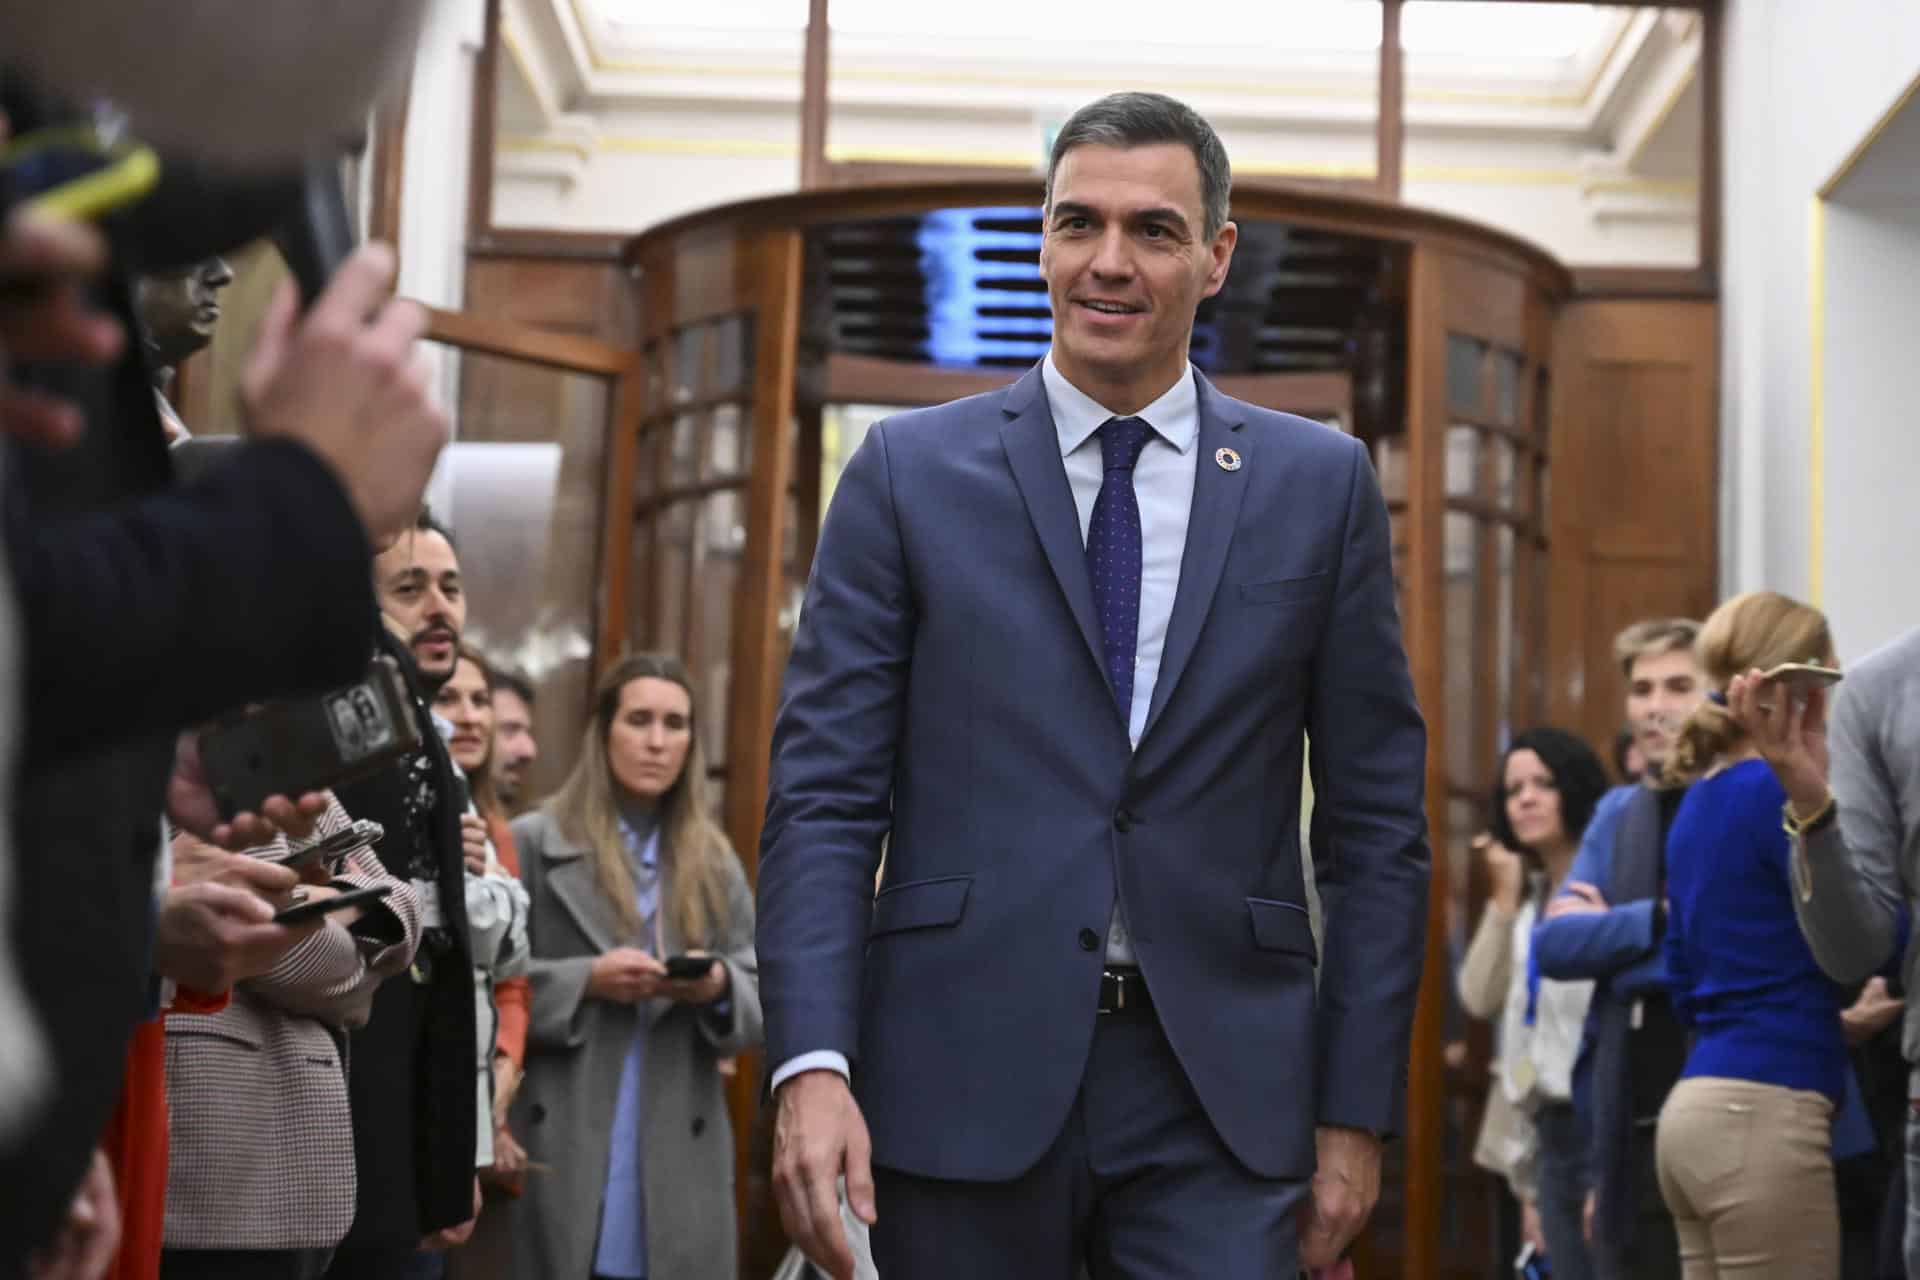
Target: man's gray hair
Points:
(1140, 119)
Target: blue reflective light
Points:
(958, 285)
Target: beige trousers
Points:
(1747, 1171)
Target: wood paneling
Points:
(1633, 513)
(591, 298)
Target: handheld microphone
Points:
(317, 235)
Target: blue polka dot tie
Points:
(1113, 552)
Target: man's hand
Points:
(625, 975)
(473, 843)
(1790, 733)
(44, 264)
(1586, 1216)
(211, 935)
(1578, 898)
(1872, 1013)
(191, 806)
(1346, 1183)
(819, 1135)
(455, 1236)
(351, 389)
(88, 1239)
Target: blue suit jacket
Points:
(944, 695)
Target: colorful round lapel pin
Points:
(1228, 459)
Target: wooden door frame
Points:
(621, 370)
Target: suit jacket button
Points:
(699, 1125)
(1122, 821)
(1089, 939)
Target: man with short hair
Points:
(1060, 649)
(410, 1069)
(514, 747)
(1607, 924)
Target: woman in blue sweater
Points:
(1744, 1144)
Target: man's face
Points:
(1662, 691)
(417, 581)
(180, 309)
(1126, 261)
(514, 750)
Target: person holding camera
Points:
(261, 1168)
(117, 573)
(1549, 784)
(644, 978)
(411, 1075)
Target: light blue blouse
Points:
(622, 1249)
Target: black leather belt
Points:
(1124, 991)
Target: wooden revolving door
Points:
(775, 331)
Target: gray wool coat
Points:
(576, 1047)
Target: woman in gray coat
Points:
(623, 1098)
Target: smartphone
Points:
(301, 912)
(1530, 1265)
(1802, 676)
(688, 968)
(334, 847)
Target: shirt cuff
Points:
(819, 1060)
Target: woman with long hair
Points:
(623, 1095)
(1744, 1146)
(465, 702)
(1548, 784)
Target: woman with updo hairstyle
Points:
(623, 1100)
(1744, 1146)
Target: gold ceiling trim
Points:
(1025, 162)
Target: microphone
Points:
(317, 234)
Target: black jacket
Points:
(144, 610)
(410, 1074)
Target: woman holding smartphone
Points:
(623, 1096)
(1745, 1140)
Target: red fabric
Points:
(510, 995)
(135, 1143)
(136, 1146)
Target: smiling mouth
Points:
(1105, 308)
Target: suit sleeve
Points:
(1598, 944)
(1848, 890)
(252, 583)
(1369, 833)
(831, 776)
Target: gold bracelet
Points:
(1796, 828)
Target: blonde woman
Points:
(1745, 1138)
(623, 1098)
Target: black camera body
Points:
(294, 746)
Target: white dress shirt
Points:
(1163, 485)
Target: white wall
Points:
(1805, 83)
(1872, 449)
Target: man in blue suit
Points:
(1059, 655)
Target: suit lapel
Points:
(1217, 494)
(1033, 451)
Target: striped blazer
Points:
(261, 1152)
